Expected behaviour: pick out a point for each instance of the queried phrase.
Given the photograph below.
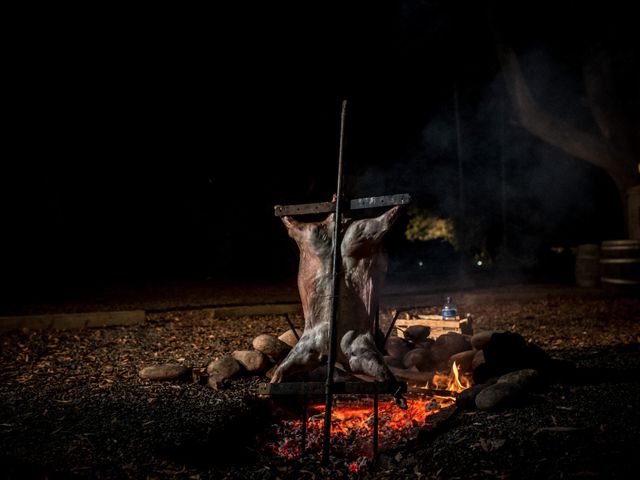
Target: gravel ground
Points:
(72, 404)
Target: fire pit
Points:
(360, 427)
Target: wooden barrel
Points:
(588, 265)
(620, 263)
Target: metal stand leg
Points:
(304, 424)
(292, 326)
(375, 428)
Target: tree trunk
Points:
(595, 149)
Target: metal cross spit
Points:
(330, 388)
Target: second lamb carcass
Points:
(364, 267)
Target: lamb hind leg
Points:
(363, 357)
(304, 357)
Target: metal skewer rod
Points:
(335, 294)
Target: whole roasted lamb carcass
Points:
(364, 266)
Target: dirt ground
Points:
(73, 406)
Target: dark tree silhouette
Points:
(615, 149)
(598, 43)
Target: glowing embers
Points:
(352, 426)
(352, 422)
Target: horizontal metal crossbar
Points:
(354, 204)
(318, 388)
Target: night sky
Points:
(152, 144)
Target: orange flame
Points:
(453, 382)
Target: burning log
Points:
(364, 265)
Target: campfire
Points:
(352, 422)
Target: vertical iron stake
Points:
(375, 428)
(335, 294)
(292, 326)
(376, 325)
(305, 402)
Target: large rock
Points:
(252, 360)
(419, 358)
(393, 361)
(507, 352)
(224, 367)
(463, 360)
(397, 347)
(427, 343)
(467, 398)
(289, 338)
(216, 381)
(417, 333)
(478, 359)
(271, 346)
(526, 379)
(447, 345)
(479, 339)
(499, 396)
(169, 371)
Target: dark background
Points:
(151, 144)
